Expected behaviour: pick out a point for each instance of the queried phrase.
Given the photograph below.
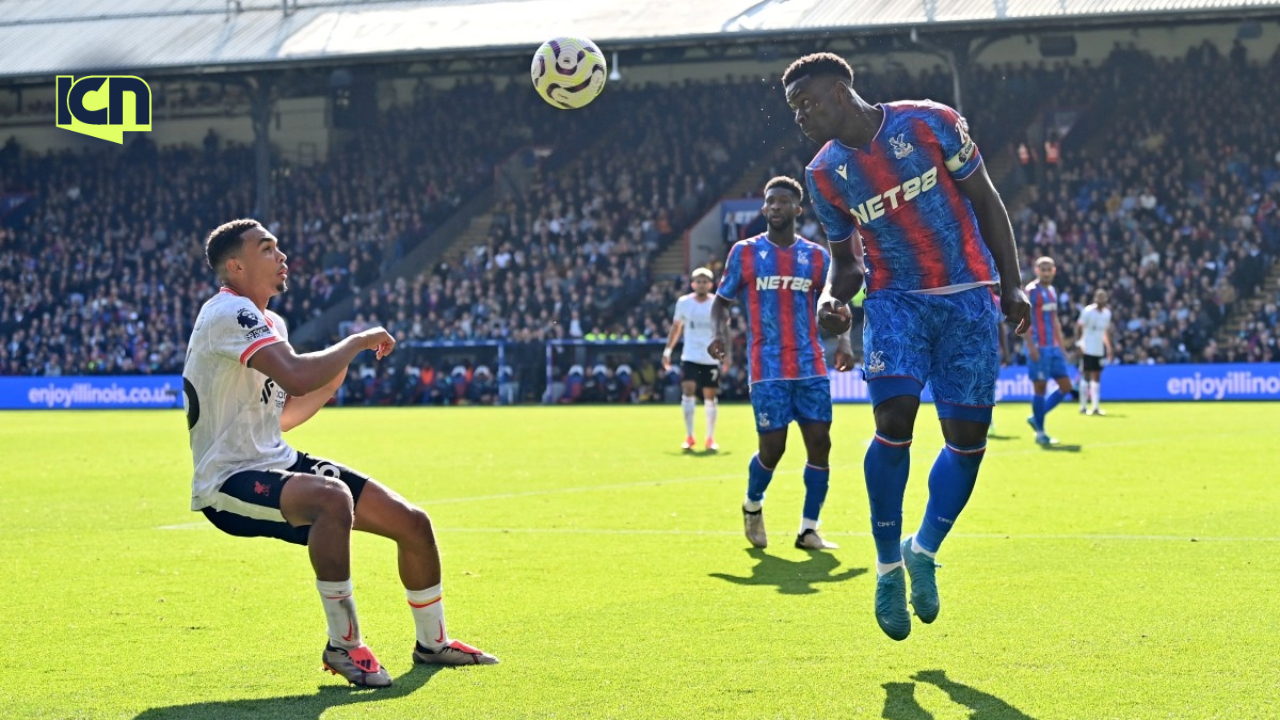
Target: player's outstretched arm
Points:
(997, 233)
(300, 375)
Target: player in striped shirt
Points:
(1045, 357)
(901, 187)
(779, 275)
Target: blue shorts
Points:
(1052, 364)
(778, 402)
(951, 342)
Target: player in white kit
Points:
(1094, 331)
(244, 384)
(699, 372)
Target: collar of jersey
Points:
(884, 120)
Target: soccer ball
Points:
(569, 72)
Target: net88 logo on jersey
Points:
(784, 282)
(876, 206)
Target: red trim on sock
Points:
(428, 603)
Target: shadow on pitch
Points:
(900, 700)
(700, 454)
(294, 707)
(1062, 448)
(792, 577)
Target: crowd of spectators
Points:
(1159, 198)
(101, 254)
(1172, 210)
(568, 259)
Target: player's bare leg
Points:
(688, 404)
(326, 505)
(759, 475)
(887, 466)
(710, 406)
(384, 512)
(817, 472)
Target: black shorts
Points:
(1092, 363)
(248, 503)
(706, 376)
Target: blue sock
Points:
(1037, 412)
(815, 489)
(951, 482)
(886, 467)
(758, 479)
(1052, 401)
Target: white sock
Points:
(751, 505)
(688, 403)
(886, 568)
(1095, 392)
(807, 524)
(428, 616)
(1084, 394)
(340, 612)
(916, 547)
(710, 407)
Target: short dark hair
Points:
(814, 64)
(791, 184)
(225, 241)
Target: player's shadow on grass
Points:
(900, 700)
(699, 453)
(293, 707)
(792, 577)
(1062, 448)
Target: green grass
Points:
(1135, 578)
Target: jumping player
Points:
(699, 372)
(779, 274)
(1094, 331)
(244, 384)
(1045, 357)
(901, 187)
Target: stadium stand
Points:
(101, 268)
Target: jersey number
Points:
(193, 403)
(268, 390)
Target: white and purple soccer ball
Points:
(569, 72)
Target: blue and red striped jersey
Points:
(1044, 313)
(781, 286)
(899, 193)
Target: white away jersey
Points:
(233, 411)
(698, 328)
(1095, 324)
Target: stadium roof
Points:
(46, 37)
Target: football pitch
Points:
(1130, 573)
